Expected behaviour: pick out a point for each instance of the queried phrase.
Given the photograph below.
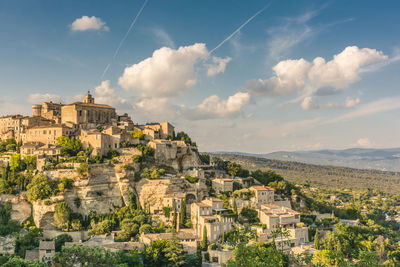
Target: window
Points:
(44, 131)
(48, 251)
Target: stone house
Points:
(222, 185)
(209, 214)
(262, 195)
(186, 237)
(174, 199)
(46, 251)
(48, 134)
(161, 130)
(274, 216)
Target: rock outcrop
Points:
(20, 207)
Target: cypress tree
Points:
(316, 240)
(174, 219)
(182, 218)
(204, 241)
(199, 260)
(235, 207)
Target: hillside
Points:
(360, 158)
(322, 175)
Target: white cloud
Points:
(377, 106)
(164, 38)
(307, 77)
(167, 73)
(218, 66)
(156, 109)
(290, 33)
(88, 23)
(364, 142)
(40, 98)
(350, 102)
(104, 94)
(308, 103)
(214, 107)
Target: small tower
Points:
(88, 98)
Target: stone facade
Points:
(222, 185)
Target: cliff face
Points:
(178, 157)
(152, 192)
(20, 207)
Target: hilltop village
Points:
(79, 176)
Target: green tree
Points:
(62, 214)
(60, 241)
(316, 240)
(65, 183)
(183, 212)
(137, 134)
(39, 188)
(204, 241)
(87, 256)
(167, 252)
(18, 262)
(174, 217)
(233, 168)
(69, 146)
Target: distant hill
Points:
(360, 158)
(322, 175)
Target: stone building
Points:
(222, 185)
(209, 214)
(48, 134)
(48, 110)
(46, 251)
(274, 216)
(262, 195)
(186, 237)
(88, 112)
(161, 130)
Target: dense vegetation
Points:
(322, 176)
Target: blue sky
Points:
(299, 75)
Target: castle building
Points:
(88, 112)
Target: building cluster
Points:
(98, 126)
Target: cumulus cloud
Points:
(364, 142)
(104, 94)
(86, 23)
(308, 103)
(219, 65)
(167, 73)
(40, 98)
(214, 107)
(307, 77)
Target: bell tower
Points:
(88, 98)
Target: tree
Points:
(61, 215)
(65, 183)
(316, 240)
(69, 146)
(233, 168)
(182, 217)
(259, 255)
(235, 210)
(250, 214)
(204, 242)
(164, 252)
(174, 218)
(283, 234)
(39, 188)
(87, 256)
(18, 262)
(60, 241)
(137, 134)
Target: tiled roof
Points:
(91, 105)
(31, 255)
(46, 245)
(262, 188)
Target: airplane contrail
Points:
(124, 38)
(238, 29)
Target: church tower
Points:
(88, 98)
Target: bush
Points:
(83, 169)
(112, 153)
(191, 179)
(137, 134)
(65, 183)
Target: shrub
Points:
(112, 153)
(83, 169)
(191, 179)
(137, 134)
(61, 215)
(65, 183)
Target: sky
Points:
(250, 76)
